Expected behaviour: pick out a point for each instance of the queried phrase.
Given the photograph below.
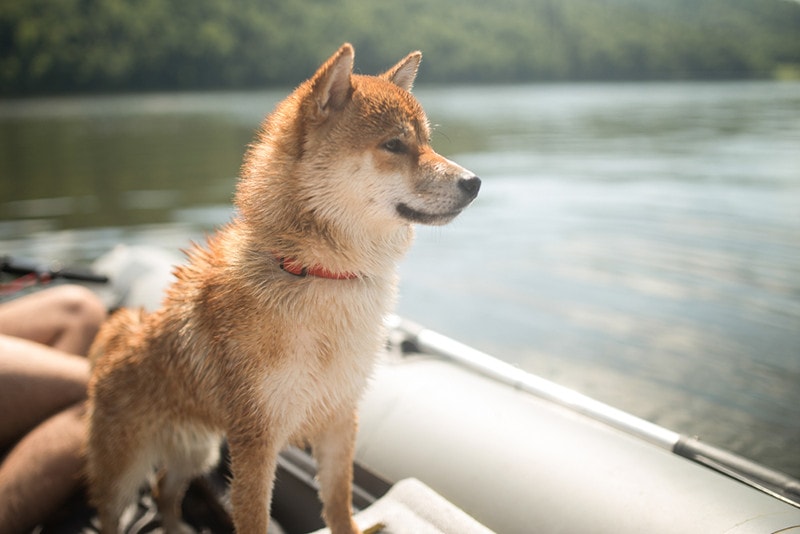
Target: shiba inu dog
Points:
(269, 332)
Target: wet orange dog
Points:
(269, 333)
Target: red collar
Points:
(292, 266)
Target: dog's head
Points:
(344, 164)
(373, 139)
(351, 154)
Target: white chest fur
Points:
(332, 340)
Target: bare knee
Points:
(82, 306)
(81, 314)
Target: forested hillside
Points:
(60, 46)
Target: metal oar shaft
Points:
(18, 267)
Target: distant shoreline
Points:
(123, 46)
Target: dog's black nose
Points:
(470, 186)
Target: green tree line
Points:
(63, 46)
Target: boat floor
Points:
(406, 507)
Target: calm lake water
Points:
(640, 243)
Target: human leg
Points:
(63, 317)
(42, 470)
(42, 384)
(35, 383)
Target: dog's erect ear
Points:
(404, 73)
(331, 84)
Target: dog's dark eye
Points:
(395, 146)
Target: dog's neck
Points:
(306, 249)
(293, 266)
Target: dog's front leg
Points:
(334, 449)
(253, 463)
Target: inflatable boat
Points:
(455, 440)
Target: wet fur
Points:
(244, 350)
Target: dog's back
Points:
(123, 324)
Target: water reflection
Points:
(125, 160)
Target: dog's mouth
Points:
(421, 217)
(467, 189)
